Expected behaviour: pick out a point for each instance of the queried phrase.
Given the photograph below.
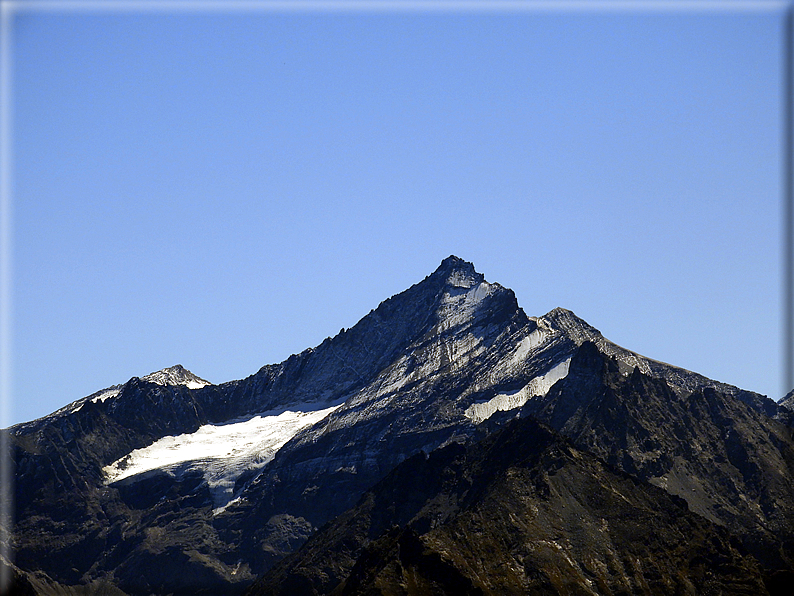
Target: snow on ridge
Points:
(503, 402)
(221, 452)
(101, 396)
(176, 375)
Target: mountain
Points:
(168, 484)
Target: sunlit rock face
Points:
(219, 482)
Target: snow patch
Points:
(503, 402)
(106, 394)
(222, 452)
(196, 384)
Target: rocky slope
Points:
(522, 512)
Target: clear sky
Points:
(223, 189)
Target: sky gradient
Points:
(223, 189)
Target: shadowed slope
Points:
(521, 512)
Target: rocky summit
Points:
(447, 443)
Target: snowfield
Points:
(222, 452)
(477, 412)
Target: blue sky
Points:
(224, 189)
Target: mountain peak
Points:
(176, 375)
(453, 263)
(459, 273)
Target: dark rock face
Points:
(522, 512)
(438, 366)
(729, 461)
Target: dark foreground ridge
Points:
(423, 388)
(521, 512)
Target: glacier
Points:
(222, 452)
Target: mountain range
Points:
(446, 443)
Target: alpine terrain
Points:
(446, 444)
